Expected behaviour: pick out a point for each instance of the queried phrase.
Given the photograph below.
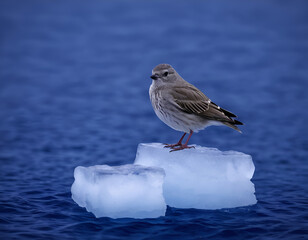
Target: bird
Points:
(184, 107)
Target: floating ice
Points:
(122, 191)
(203, 178)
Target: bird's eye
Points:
(165, 74)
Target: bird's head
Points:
(164, 73)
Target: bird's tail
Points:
(233, 125)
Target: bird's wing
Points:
(191, 100)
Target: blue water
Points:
(74, 79)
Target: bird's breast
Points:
(166, 111)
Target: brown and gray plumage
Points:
(184, 107)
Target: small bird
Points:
(184, 107)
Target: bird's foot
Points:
(172, 145)
(181, 147)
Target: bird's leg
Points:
(183, 146)
(177, 144)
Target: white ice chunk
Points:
(122, 191)
(203, 178)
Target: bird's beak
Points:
(154, 76)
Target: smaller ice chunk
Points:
(203, 178)
(122, 191)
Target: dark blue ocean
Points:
(74, 79)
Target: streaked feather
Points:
(192, 100)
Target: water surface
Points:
(74, 79)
